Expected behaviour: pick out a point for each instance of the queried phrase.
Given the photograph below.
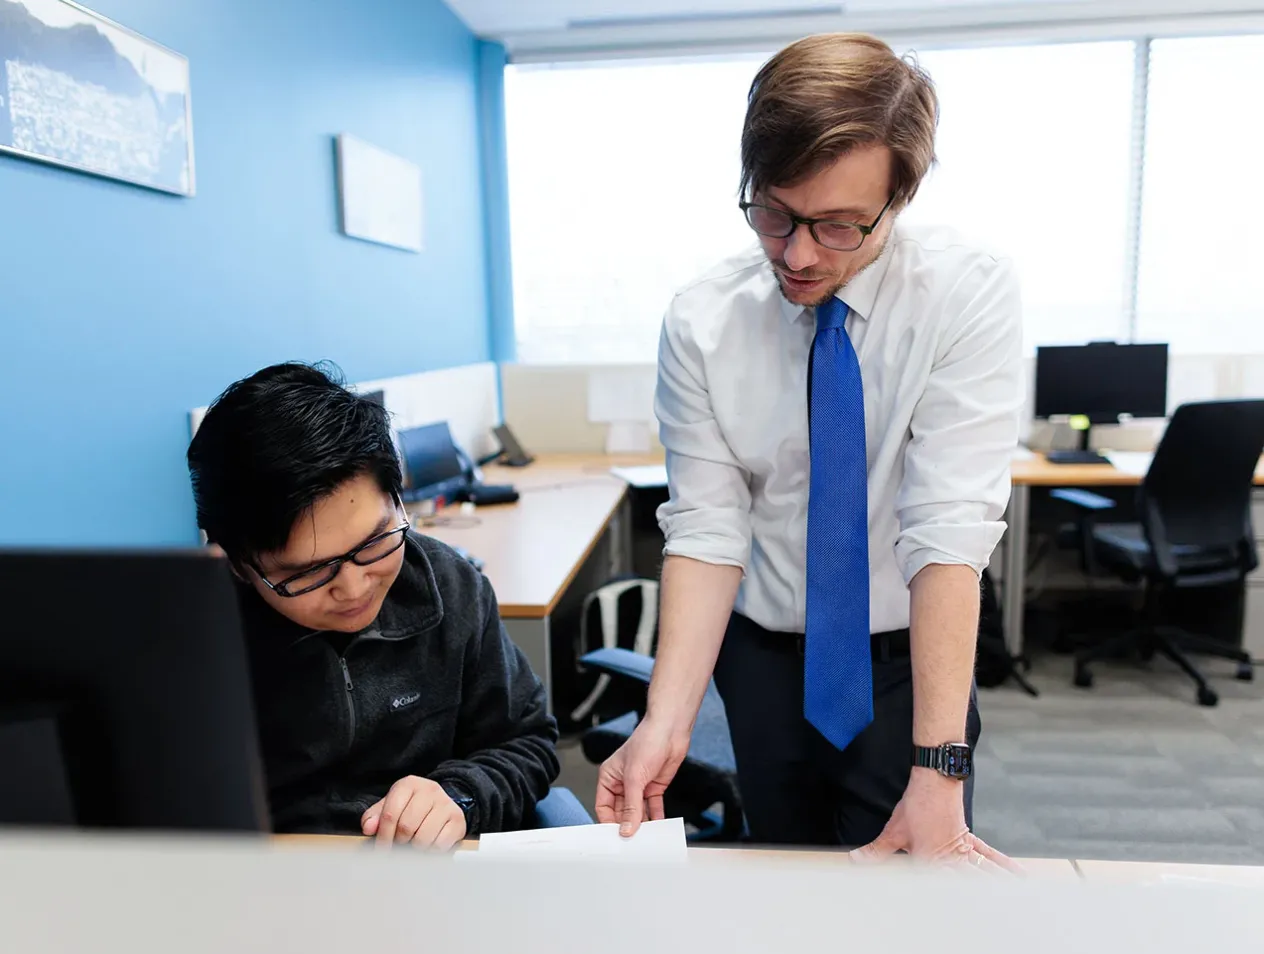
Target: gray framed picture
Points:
(80, 91)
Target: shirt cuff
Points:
(696, 536)
(959, 544)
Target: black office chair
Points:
(1195, 531)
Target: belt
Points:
(893, 644)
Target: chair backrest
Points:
(1198, 488)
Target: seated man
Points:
(390, 700)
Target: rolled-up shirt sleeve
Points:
(707, 517)
(964, 429)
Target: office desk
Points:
(1059, 868)
(533, 550)
(204, 895)
(1036, 471)
(1162, 872)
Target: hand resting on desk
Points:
(417, 811)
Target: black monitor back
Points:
(432, 461)
(1102, 381)
(125, 694)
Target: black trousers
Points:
(796, 787)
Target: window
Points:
(623, 187)
(1034, 161)
(1201, 284)
(623, 181)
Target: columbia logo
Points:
(400, 702)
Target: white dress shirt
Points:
(936, 323)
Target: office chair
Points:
(708, 775)
(1194, 505)
(622, 615)
(559, 809)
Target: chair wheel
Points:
(1083, 678)
(1207, 697)
(1246, 672)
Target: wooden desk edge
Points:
(1037, 471)
(1039, 867)
(542, 610)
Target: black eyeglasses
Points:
(830, 233)
(313, 578)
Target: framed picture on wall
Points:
(379, 195)
(80, 91)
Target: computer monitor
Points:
(1102, 381)
(433, 464)
(125, 697)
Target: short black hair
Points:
(275, 443)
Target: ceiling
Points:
(494, 18)
(536, 29)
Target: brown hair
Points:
(824, 95)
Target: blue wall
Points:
(122, 308)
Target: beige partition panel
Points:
(547, 406)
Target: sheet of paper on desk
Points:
(650, 475)
(1133, 463)
(656, 841)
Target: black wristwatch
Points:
(951, 760)
(468, 806)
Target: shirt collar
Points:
(860, 293)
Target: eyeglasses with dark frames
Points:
(829, 233)
(313, 578)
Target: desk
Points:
(1056, 869)
(1060, 868)
(533, 550)
(1162, 872)
(1036, 471)
(204, 896)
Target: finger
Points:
(449, 835)
(996, 858)
(654, 805)
(392, 807)
(436, 817)
(609, 795)
(633, 808)
(369, 820)
(884, 846)
(985, 865)
(413, 818)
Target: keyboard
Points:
(1075, 457)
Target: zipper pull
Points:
(346, 674)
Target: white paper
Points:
(651, 475)
(628, 437)
(1133, 463)
(658, 841)
(379, 195)
(1022, 453)
(621, 394)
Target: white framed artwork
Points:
(379, 195)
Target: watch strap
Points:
(466, 802)
(928, 756)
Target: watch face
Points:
(957, 760)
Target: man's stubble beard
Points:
(833, 289)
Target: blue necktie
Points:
(837, 666)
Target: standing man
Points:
(877, 365)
